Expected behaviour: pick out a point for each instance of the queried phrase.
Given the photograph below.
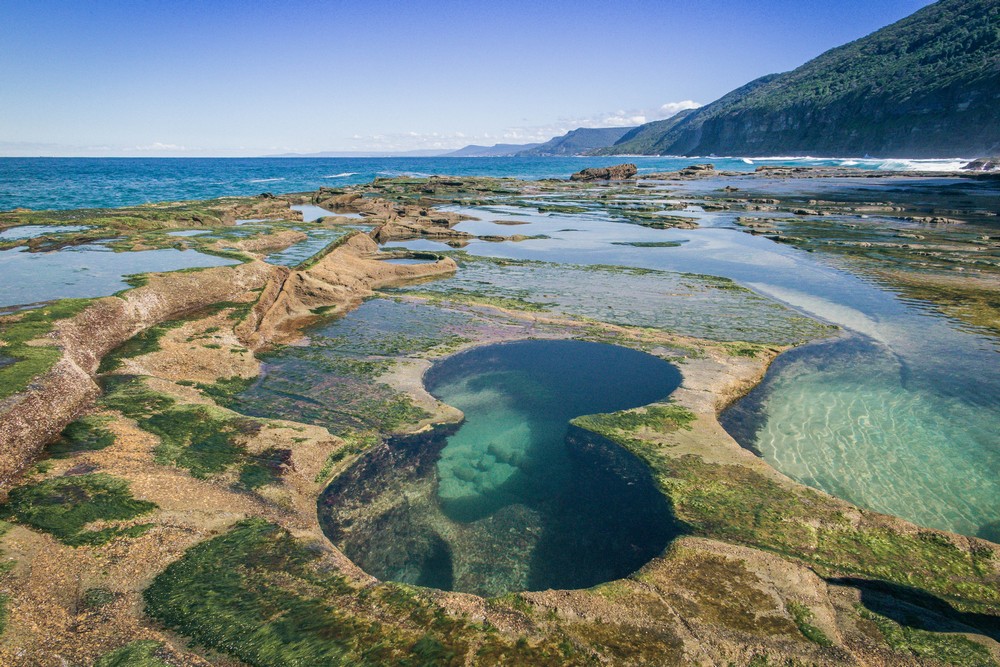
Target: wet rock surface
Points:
(765, 568)
(618, 172)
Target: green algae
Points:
(83, 435)
(803, 617)
(142, 653)
(943, 648)
(480, 298)
(690, 304)
(338, 392)
(737, 504)
(144, 342)
(129, 395)
(223, 390)
(148, 341)
(6, 565)
(659, 418)
(204, 440)
(354, 443)
(649, 244)
(740, 349)
(95, 598)
(724, 592)
(263, 469)
(268, 599)
(63, 506)
(198, 438)
(30, 361)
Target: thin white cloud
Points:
(406, 141)
(626, 117)
(159, 147)
(673, 108)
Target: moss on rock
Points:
(64, 506)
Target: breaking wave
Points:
(881, 164)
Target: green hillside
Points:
(925, 86)
(577, 142)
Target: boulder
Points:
(618, 172)
(983, 164)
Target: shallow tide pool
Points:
(31, 231)
(317, 239)
(86, 271)
(514, 498)
(902, 418)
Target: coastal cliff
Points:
(926, 86)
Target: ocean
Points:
(68, 183)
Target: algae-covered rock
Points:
(618, 172)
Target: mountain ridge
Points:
(496, 150)
(926, 86)
(577, 142)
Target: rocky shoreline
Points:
(767, 570)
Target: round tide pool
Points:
(514, 498)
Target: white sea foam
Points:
(947, 164)
(883, 164)
(343, 175)
(264, 180)
(409, 174)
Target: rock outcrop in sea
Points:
(618, 172)
(983, 164)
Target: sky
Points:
(254, 77)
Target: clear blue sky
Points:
(145, 77)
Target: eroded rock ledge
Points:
(288, 300)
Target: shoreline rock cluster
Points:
(618, 172)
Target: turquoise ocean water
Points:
(64, 183)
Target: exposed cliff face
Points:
(926, 86)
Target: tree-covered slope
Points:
(496, 150)
(925, 86)
(578, 141)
